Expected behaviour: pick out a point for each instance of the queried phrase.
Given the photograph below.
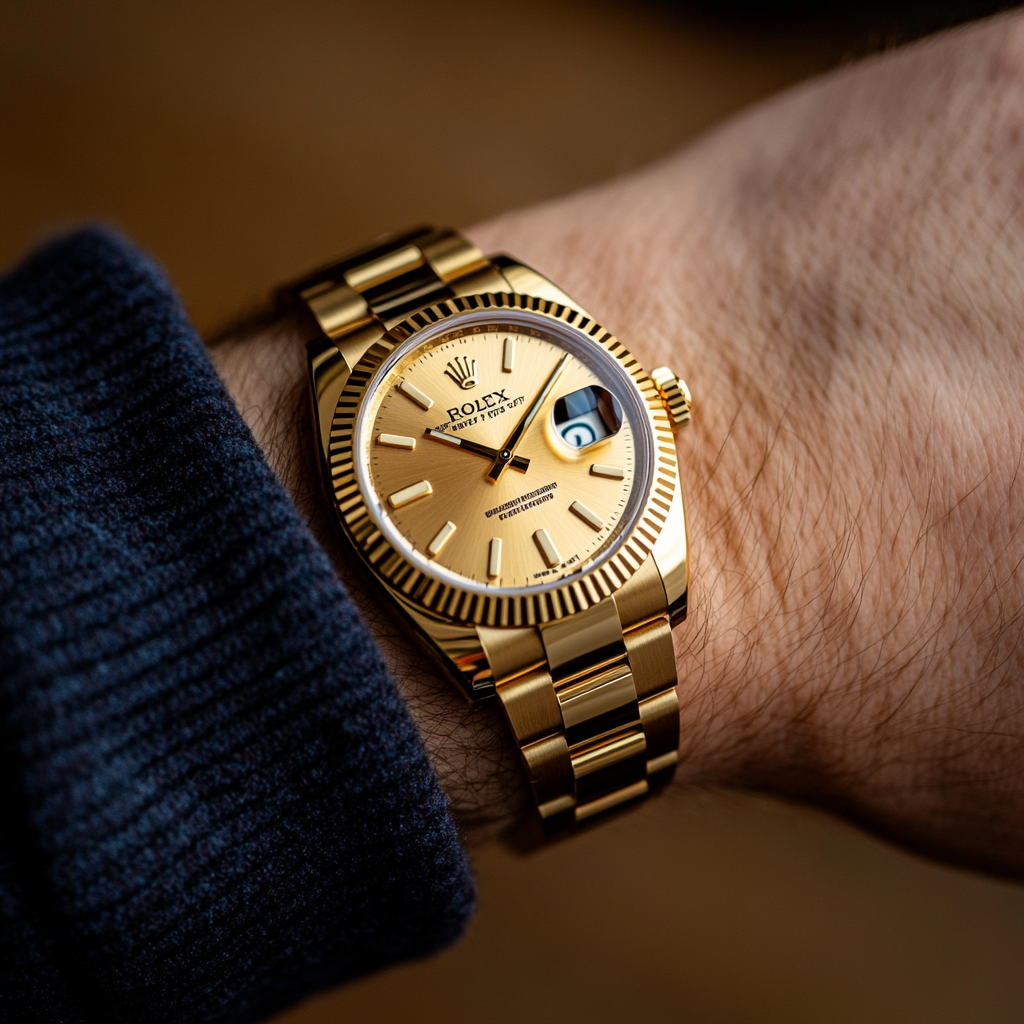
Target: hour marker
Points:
(494, 559)
(413, 392)
(547, 548)
(611, 472)
(410, 493)
(590, 518)
(397, 441)
(440, 539)
(508, 356)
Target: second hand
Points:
(507, 452)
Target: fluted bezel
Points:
(531, 606)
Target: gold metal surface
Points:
(369, 275)
(397, 441)
(453, 257)
(610, 750)
(650, 652)
(642, 597)
(547, 548)
(587, 663)
(588, 516)
(508, 356)
(659, 716)
(494, 558)
(409, 494)
(593, 632)
(411, 391)
(674, 393)
(511, 652)
(596, 695)
(671, 556)
(524, 280)
(613, 799)
(337, 308)
(441, 538)
(480, 281)
(663, 763)
(531, 706)
(549, 771)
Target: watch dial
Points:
(508, 454)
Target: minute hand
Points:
(509, 447)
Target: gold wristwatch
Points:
(506, 470)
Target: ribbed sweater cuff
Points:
(213, 800)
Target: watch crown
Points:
(675, 394)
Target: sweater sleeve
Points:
(212, 800)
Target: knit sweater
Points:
(212, 799)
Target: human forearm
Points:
(825, 271)
(838, 275)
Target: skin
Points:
(839, 274)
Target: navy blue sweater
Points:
(212, 799)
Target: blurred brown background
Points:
(243, 142)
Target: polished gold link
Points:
(550, 774)
(596, 695)
(530, 705)
(580, 637)
(659, 716)
(606, 803)
(338, 301)
(392, 264)
(451, 256)
(338, 309)
(659, 764)
(402, 305)
(651, 656)
(596, 755)
(511, 651)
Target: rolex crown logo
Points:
(463, 371)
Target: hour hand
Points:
(517, 461)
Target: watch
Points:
(506, 471)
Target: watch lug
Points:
(671, 555)
(457, 648)
(328, 373)
(524, 280)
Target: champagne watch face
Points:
(503, 451)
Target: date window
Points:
(586, 417)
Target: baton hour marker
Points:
(412, 392)
(592, 519)
(610, 472)
(494, 559)
(410, 494)
(440, 539)
(547, 548)
(396, 441)
(508, 356)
